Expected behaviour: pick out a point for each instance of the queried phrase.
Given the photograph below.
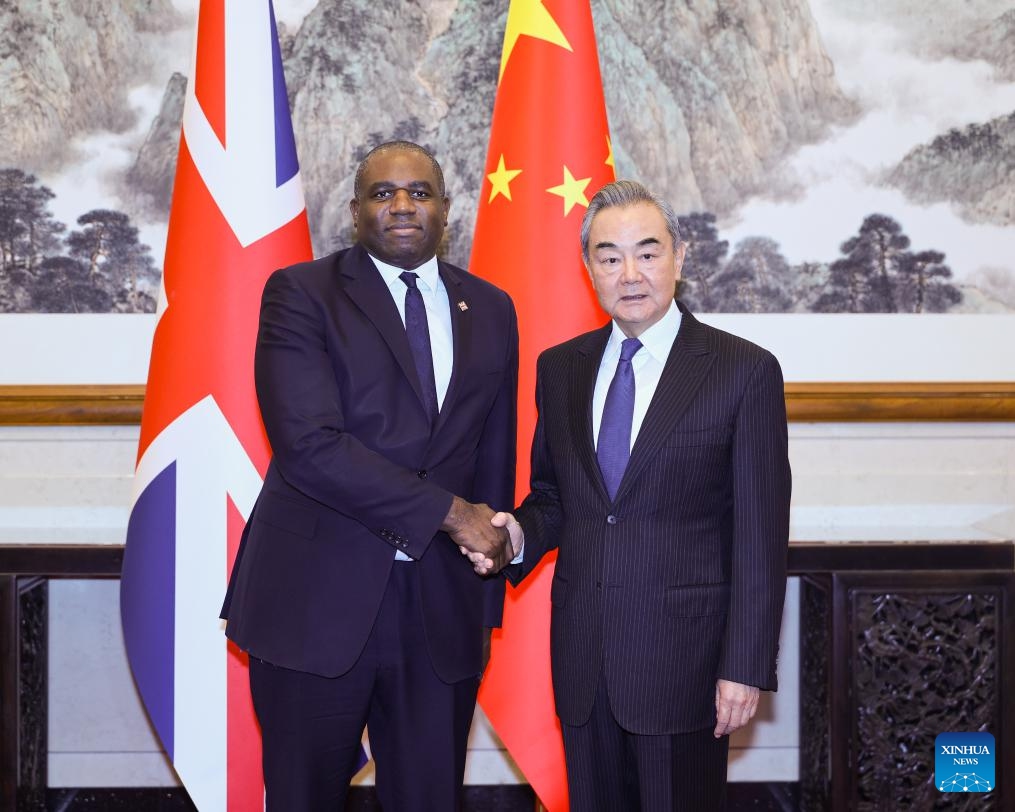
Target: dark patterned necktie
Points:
(418, 331)
(614, 446)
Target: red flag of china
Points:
(549, 153)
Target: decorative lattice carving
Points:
(32, 699)
(924, 663)
(815, 646)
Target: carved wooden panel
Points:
(924, 663)
(815, 674)
(912, 651)
(32, 693)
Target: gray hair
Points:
(622, 193)
(408, 146)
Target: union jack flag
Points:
(237, 214)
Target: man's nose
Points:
(402, 201)
(630, 272)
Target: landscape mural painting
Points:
(830, 156)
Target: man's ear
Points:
(354, 211)
(678, 257)
(447, 208)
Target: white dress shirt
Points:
(647, 365)
(438, 321)
(438, 315)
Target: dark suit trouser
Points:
(612, 770)
(418, 726)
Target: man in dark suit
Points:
(660, 471)
(387, 382)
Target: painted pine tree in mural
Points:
(703, 261)
(878, 274)
(117, 262)
(28, 233)
(756, 279)
(101, 267)
(922, 283)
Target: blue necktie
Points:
(419, 342)
(614, 446)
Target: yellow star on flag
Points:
(609, 156)
(529, 18)
(500, 180)
(572, 190)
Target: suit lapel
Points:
(365, 287)
(461, 336)
(583, 385)
(686, 368)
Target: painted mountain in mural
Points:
(148, 184)
(993, 43)
(66, 68)
(757, 120)
(705, 104)
(974, 167)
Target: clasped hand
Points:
(486, 543)
(484, 565)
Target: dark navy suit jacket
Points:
(358, 473)
(680, 579)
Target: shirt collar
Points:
(658, 339)
(427, 272)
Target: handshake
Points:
(489, 540)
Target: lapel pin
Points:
(463, 306)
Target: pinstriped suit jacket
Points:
(680, 579)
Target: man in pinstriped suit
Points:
(668, 592)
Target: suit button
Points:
(422, 474)
(611, 519)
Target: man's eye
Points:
(419, 194)
(384, 194)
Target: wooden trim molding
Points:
(87, 405)
(837, 402)
(805, 402)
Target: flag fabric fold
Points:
(549, 153)
(237, 214)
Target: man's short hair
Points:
(409, 146)
(622, 193)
